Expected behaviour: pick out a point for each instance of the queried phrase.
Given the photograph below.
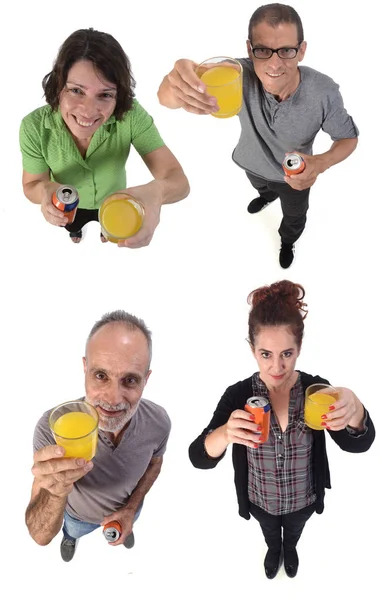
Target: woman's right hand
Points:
(182, 88)
(241, 429)
(50, 212)
(55, 473)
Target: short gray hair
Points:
(131, 322)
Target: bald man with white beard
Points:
(80, 495)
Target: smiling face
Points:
(87, 100)
(276, 353)
(116, 371)
(279, 76)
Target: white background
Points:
(190, 285)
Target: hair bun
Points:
(281, 292)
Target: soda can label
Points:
(260, 408)
(66, 199)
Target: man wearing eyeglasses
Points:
(284, 107)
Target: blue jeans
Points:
(74, 528)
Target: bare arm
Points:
(44, 515)
(39, 190)
(339, 150)
(125, 516)
(169, 185)
(167, 171)
(318, 163)
(144, 484)
(54, 479)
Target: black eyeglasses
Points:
(284, 53)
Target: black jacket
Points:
(235, 398)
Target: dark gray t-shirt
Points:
(117, 470)
(270, 128)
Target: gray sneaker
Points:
(129, 541)
(68, 548)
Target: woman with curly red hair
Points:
(280, 482)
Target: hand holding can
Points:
(242, 429)
(260, 408)
(51, 214)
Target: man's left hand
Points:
(150, 196)
(125, 517)
(307, 178)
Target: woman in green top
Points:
(82, 137)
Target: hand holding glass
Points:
(223, 77)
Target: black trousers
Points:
(292, 525)
(294, 205)
(83, 216)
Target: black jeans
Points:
(294, 204)
(292, 524)
(83, 216)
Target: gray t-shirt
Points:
(270, 128)
(117, 470)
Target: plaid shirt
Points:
(280, 472)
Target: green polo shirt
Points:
(47, 145)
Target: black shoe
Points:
(291, 562)
(257, 205)
(286, 255)
(68, 548)
(129, 541)
(272, 563)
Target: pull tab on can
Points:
(66, 199)
(293, 164)
(112, 531)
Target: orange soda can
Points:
(66, 199)
(112, 531)
(293, 164)
(260, 408)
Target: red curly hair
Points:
(276, 305)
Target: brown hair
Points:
(274, 15)
(275, 305)
(108, 58)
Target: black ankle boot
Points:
(291, 562)
(272, 562)
(286, 255)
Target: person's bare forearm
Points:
(339, 150)
(35, 190)
(216, 442)
(174, 187)
(44, 516)
(144, 485)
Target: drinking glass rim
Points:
(229, 58)
(324, 386)
(81, 437)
